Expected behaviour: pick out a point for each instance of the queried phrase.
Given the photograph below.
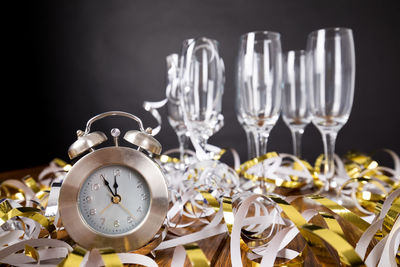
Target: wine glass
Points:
(331, 64)
(174, 109)
(202, 85)
(295, 111)
(258, 87)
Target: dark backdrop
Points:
(66, 61)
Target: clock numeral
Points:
(95, 187)
(139, 185)
(144, 196)
(89, 199)
(103, 220)
(139, 209)
(92, 211)
(116, 223)
(117, 172)
(130, 219)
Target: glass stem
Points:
(261, 140)
(260, 144)
(250, 144)
(329, 139)
(296, 137)
(183, 145)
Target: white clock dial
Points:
(114, 200)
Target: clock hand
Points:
(106, 183)
(109, 205)
(124, 208)
(115, 184)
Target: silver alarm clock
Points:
(114, 196)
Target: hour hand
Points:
(106, 183)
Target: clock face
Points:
(114, 199)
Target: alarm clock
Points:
(114, 197)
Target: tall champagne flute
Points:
(175, 114)
(331, 63)
(295, 111)
(258, 86)
(202, 85)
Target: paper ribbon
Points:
(262, 227)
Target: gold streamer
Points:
(110, 258)
(31, 252)
(341, 211)
(62, 164)
(6, 191)
(220, 154)
(5, 207)
(278, 182)
(196, 256)
(27, 212)
(74, 258)
(315, 234)
(346, 251)
(228, 212)
(226, 207)
(31, 183)
(332, 223)
(356, 164)
(290, 211)
(168, 159)
(391, 216)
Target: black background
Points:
(66, 61)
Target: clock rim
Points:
(81, 232)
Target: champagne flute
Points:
(175, 115)
(202, 85)
(258, 87)
(295, 111)
(331, 63)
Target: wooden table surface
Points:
(217, 248)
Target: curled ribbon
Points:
(209, 199)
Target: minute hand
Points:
(115, 185)
(107, 184)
